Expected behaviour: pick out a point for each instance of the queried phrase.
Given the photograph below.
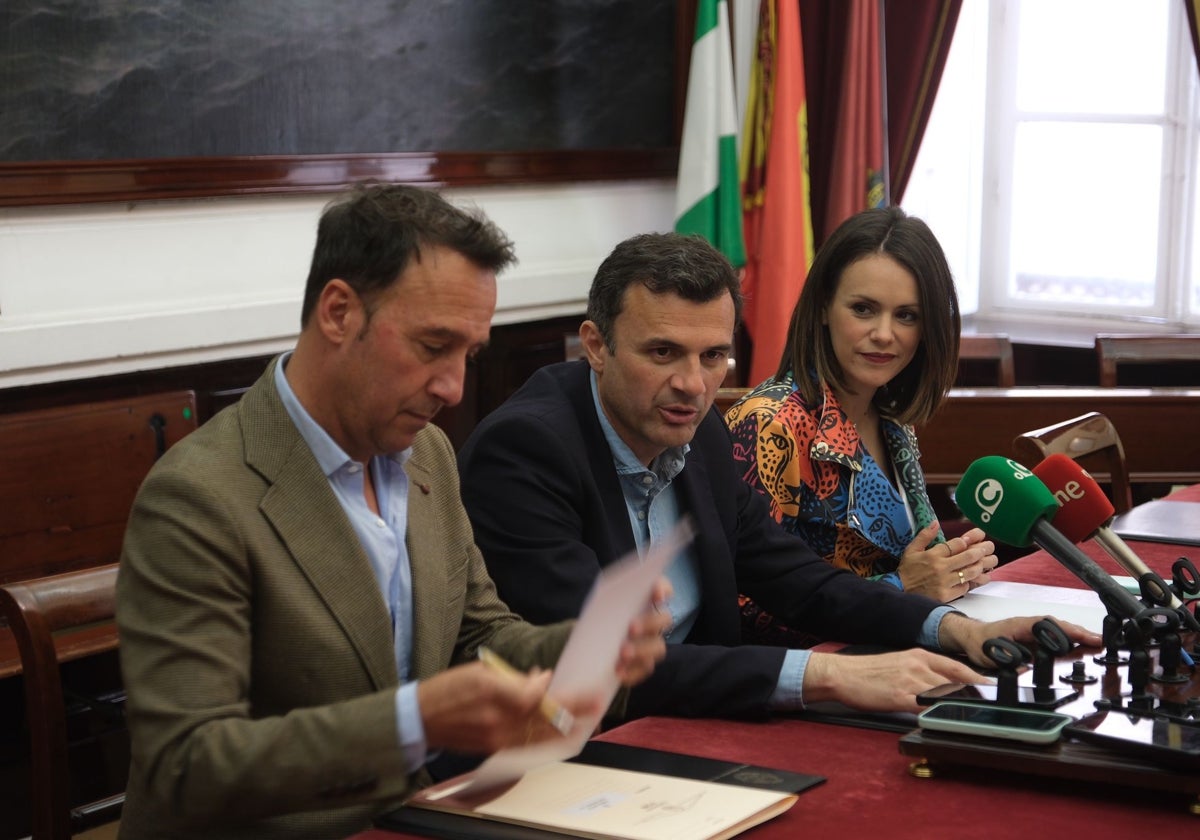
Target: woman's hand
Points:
(948, 570)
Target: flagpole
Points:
(883, 104)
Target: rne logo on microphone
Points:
(1070, 490)
(988, 495)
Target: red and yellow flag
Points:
(778, 221)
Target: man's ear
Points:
(339, 313)
(593, 345)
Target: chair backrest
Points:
(1088, 438)
(990, 348)
(726, 397)
(1115, 350)
(68, 476)
(37, 610)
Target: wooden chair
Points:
(1115, 350)
(68, 476)
(997, 349)
(1089, 438)
(726, 397)
(38, 611)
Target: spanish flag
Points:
(778, 221)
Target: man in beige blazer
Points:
(300, 598)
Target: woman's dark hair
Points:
(915, 393)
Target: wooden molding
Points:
(77, 182)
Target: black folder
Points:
(426, 823)
(1161, 521)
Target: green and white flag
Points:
(708, 197)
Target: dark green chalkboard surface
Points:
(85, 80)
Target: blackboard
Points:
(89, 80)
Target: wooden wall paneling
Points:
(68, 476)
(984, 421)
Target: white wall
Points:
(91, 290)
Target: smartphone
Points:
(1032, 726)
(1157, 740)
(1027, 695)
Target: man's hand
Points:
(948, 570)
(644, 647)
(479, 710)
(959, 634)
(887, 682)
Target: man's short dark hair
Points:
(662, 262)
(368, 237)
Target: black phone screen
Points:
(1027, 695)
(1155, 739)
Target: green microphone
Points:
(1005, 499)
(1014, 506)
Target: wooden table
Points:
(870, 791)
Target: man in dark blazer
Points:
(300, 601)
(595, 458)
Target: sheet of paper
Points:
(588, 663)
(1004, 599)
(605, 802)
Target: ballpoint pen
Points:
(553, 711)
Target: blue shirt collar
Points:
(666, 466)
(330, 456)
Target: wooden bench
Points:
(1182, 350)
(1155, 425)
(68, 477)
(38, 611)
(994, 349)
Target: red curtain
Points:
(917, 41)
(1193, 15)
(857, 177)
(917, 36)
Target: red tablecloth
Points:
(869, 792)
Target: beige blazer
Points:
(256, 647)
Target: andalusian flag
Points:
(708, 195)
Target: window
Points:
(1087, 143)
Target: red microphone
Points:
(1085, 512)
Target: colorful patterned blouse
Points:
(809, 461)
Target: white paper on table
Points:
(587, 667)
(1004, 599)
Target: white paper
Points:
(587, 667)
(606, 802)
(1001, 599)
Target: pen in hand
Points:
(554, 712)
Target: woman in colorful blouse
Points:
(872, 351)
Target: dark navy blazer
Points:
(545, 501)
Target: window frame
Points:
(1179, 162)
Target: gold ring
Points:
(961, 579)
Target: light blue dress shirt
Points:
(383, 540)
(653, 508)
